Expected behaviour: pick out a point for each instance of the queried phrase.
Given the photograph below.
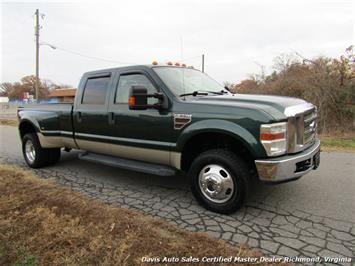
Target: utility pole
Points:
(203, 63)
(37, 53)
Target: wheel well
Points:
(26, 127)
(207, 141)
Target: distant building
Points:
(62, 95)
(4, 99)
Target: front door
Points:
(139, 134)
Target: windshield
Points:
(187, 80)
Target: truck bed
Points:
(50, 117)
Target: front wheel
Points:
(219, 180)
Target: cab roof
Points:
(128, 68)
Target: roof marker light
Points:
(154, 63)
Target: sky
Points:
(237, 37)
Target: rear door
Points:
(90, 114)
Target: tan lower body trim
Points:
(135, 153)
(142, 154)
(56, 141)
(175, 159)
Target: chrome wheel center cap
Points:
(216, 184)
(212, 184)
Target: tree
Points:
(29, 85)
(329, 83)
(16, 90)
(5, 88)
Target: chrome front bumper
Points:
(289, 167)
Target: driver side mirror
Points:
(138, 99)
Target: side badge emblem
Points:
(181, 120)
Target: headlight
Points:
(274, 138)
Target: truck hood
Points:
(274, 105)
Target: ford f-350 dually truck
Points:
(160, 119)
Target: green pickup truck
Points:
(163, 119)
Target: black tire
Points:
(237, 170)
(54, 156)
(41, 156)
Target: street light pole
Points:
(37, 54)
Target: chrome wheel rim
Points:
(216, 183)
(30, 151)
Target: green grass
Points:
(28, 260)
(25, 259)
(340, 143)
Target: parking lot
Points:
(314, 216)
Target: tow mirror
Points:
(138, 99)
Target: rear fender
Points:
(30, 121)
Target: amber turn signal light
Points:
(132, 101)
(272, 136)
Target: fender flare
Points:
(30, 121)
(223, 127)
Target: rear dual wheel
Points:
(219, 180)
(36, 156)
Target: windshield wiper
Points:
(201, 92)
(194, 93)
(216, 92)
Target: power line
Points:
(100, 58)
(84, 55)
(89, 56)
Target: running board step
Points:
(149, 168)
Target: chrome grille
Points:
(310, 126)
(302, 126)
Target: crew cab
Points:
(161, 119)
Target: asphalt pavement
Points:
(313, 216)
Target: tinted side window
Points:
(95, 90)
(127, 81)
